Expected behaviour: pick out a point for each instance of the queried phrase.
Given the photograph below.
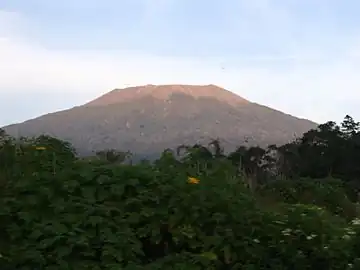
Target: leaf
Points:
(35, 234)
(117, 189)
(209, 255)
(133, 182)
(95, 220)
(103, 179)
(227, 254)
(60, 228)
(133, 218)
(88, 192)
(48, 242)
(63, 251)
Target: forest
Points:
(294, 206)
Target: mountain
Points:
(147, 119)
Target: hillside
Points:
(147, 119)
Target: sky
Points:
(298, 56)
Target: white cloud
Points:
(319, 90)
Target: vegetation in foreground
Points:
(287, 207)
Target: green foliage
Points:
(113, 156)
(327, 193)
(58, 211)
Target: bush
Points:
(327, 193)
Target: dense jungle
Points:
(294, 206)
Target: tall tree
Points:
(349, 127)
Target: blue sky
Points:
(299, 56)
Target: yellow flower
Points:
(40, 148)
(193, 180)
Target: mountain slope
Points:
(147, 119)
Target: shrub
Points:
(328, 193)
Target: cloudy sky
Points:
(299, 56)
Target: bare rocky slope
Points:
(148, 119)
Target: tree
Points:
(329, 150)
(2, 133)
(349, 127)
(218, 150)
(250, 162)
(195, 152)
(113, 156)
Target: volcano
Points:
(147, 119)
